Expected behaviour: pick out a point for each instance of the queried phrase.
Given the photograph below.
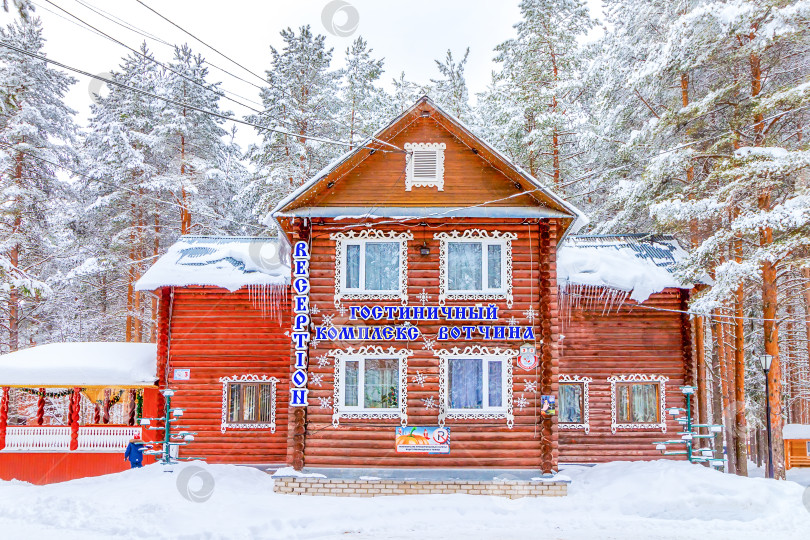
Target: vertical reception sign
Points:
(300, 333)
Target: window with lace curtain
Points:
(571, 403)
(637, 403)
(249, 403)
(371, 266)
(476, 384)
(370, 384)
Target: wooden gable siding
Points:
(216, 333)
(379, 180)
(474, 443)
(635, 339)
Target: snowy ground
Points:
(617, 500)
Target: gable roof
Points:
(295, 204)
(230, 262)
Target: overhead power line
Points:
(203, 42)
(219, 93)
(131, 27)
(187, 105)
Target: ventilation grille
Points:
(425, 164)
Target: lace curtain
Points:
(466, 381)
(464, 266)
(380, 383)
(637, 403)
(381, 266)
(570, 404)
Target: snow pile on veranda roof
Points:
(80, 364)
(796, 431)
(640, 265)
(227, 262)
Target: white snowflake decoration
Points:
(314, 343)
(429, 344)
(530, 314)
(325, 403)
(423, 297)
(521, 402)
(419, 378)
(323, 360)
(512, 321)
(314, 309)
(529, 386)
(342, 310)
(429, 403)
(326, 320)
(317, 379)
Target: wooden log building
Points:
(424, 292)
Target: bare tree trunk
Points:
(717, 404)
(770, 296)
(740, 427)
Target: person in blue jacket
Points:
(134, 452)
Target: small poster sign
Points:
(422, 440)
(548, 405)
(528, 357)
(182, 374)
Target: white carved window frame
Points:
(484, 238)
(369, 352)
(249, 379)
(505, 412)
(639, 378)
(438, 180)
(361, 238)
(584, 382)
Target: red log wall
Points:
(636, 339)
(216, 333)
(474, 443)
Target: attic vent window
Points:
(425, 165)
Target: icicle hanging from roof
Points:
(268, 299)
(579, 297)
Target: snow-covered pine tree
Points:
(364, 103)
(124, 154)
(36, 132)
(301, 98)
(193, 147)
(751, 197)
(539, 69)
(450, 91)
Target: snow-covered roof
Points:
(80, 364)
(580, 219)
(639, 264)
(796, 431)
(230, 262)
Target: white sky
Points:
(408, 35)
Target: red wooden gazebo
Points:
(68, 410)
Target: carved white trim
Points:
(475, 351)
(438, 180)
(248, 378)
(584, 381)
(639, 378)
(473, 235)
(364, 236)
(365, 352)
